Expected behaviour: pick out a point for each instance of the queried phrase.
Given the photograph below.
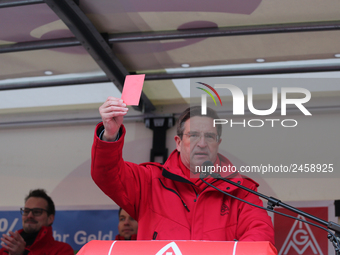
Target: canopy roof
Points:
(64, 42)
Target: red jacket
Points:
(132, 238)
(170, 206)
(45, 244)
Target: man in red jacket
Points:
(36, 236)
(169, 201)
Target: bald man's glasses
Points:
(208, 137)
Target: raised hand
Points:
(112, 113)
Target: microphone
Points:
(333, 237)
(208, 165)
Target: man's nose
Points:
(201, 142)
(30, 215)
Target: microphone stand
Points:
(272, 202)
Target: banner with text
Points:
(73, 227)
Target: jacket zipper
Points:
(195, 193)
(185, 206)
(208, 185)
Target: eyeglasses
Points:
(35, 211)
(208, 137)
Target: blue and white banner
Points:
(73, 227)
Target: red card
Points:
(132, 89)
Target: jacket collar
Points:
(45, 231)
(173, 170)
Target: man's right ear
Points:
(178, 141)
